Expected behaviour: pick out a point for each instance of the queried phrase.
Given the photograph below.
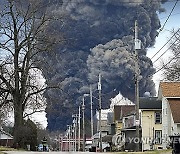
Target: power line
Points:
(165, 51)
(134, 2)
(167, 63)
(168, 16)
(171, 15)
(124, 2)
(164, 46)
(167, 41)
(169, 60)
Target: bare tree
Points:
(25, 33)
(172, 67)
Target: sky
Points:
(38, 117)
(164, 35)
(172, 23)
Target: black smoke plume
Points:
(100, 39)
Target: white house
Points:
(151, 123)
(169, 93)
(5, 138)
(119, 100)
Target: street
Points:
(59, 152)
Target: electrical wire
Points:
(166, 63)
(161, 29)
(165, 51)
(171, 16)
(124, 2)
(165, 44)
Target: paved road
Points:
(59, 152)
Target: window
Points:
(158, 136)
(158, 117)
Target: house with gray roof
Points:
(150, 110)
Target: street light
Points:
(75, 116)
(79, 128)
(91, 100)
(91, 103)
(99, 99)
(72, 138)
(100, 132)
(83, 109)
(69, 136)
(73, 134)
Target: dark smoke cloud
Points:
(107, 28)
(115, 61)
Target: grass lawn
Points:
(6, 149)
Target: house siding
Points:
(166, 121)
(119, 126)
(169, 126)
(148, 129)
(169, 93)
(5, 140)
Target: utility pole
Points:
(70, 149)
(91, 100)
(75, 116)
(79, 128)
(69, 133)
(83, 108)
(100, 132)
(76, 133)
(62, 143)
(72, 138)
(73, 135)
(137, 73)
(83, 116)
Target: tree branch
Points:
(28, 114)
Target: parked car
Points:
(42, 147)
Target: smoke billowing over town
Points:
(100, 39)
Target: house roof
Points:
(5, 133)
(122, 110)
(150, 103)
(170, 89)
(120, 100)
(175, 109)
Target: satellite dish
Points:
(147, 94)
